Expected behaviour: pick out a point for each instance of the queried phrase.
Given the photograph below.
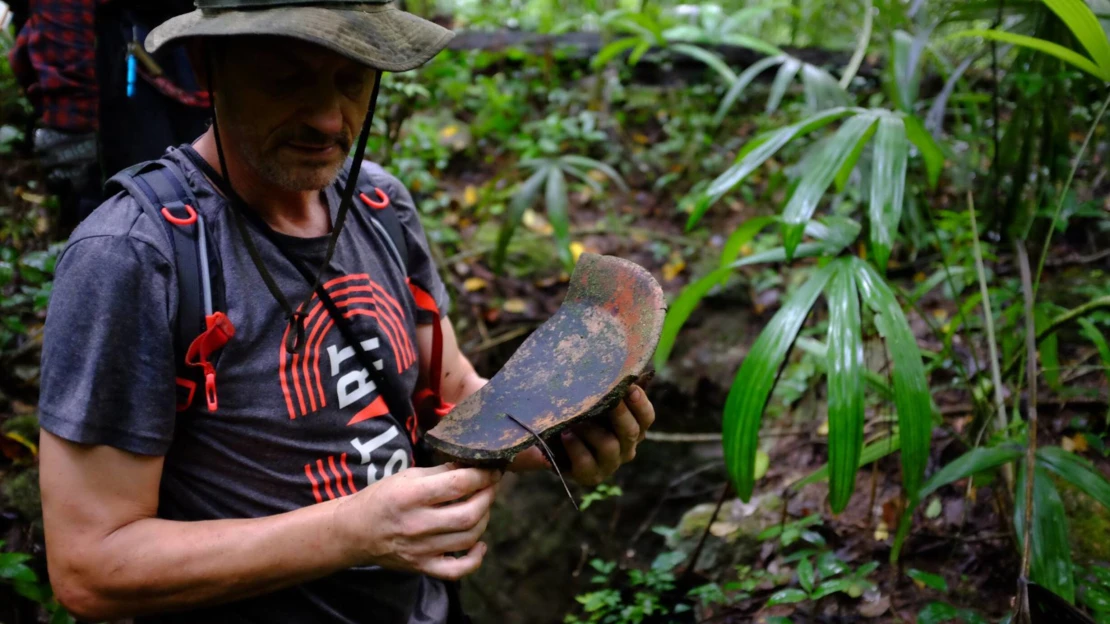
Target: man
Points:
(73, 57)
(293, 498)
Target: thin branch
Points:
(861, 49)
(1064, 193)
(1031, 379)
(1101, 303)
(988, 320)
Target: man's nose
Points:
(325, 114)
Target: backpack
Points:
(202, 329)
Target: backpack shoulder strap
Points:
(384, 217)
(162, 192)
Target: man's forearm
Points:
(154, 565)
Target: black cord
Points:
(546, 450)
(296, 318)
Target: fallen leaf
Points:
(34, 198)
(874, 608)
(934, 508)
(882, 532)
(723, 529)
(576, 250)
(515, 306)
(536, 223)
(1074, 444)
(674, 268)
(470, 196)
(475, 284)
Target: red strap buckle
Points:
(220, 331)
(381, 204)
(210, 387)
(189, 220)
(189, 388)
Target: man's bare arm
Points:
(110, 557)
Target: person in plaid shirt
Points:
(71, 57)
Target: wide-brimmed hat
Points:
(372, 32)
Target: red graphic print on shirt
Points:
(301, 379)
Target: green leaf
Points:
(757, 375)
(930, 151)
(871, 453)
(937, 613)
(751, 43)
(786, 596)
(590, 163)
(816, 180)
(742, 236)
(821, 89)
(905, 56)
(787, 72)
(557, 204)
(638, 53)
(1092, 333)
(844, 174)
(1077, 471)
(711, 59)
(521, 200)
(687, 301)
(974, 461)
(845, 374)
(1051, 556)
(935, 581)
(831, 587)
(742, 81)
(835, 231)
(13, 568)
(1047, 47)
(756, 152)
(1048, 349)
(911, 388)
(888, 186)
(613, 50)
(1096, 598)
(805, 574)
(1085, 26)
(829, 565)
(60, 616)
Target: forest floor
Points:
(541, 547)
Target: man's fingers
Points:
(605, 446)
(462, 516)
(642, 409)
(449, 568)
(460, 541)
(627, 430)
(455, 484)
(584, 468)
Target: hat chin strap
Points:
(296, 318)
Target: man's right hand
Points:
(415, 519)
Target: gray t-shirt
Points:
(291, 430)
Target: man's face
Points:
(291, 109)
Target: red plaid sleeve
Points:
(55, 59)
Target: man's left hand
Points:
(596, 451)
